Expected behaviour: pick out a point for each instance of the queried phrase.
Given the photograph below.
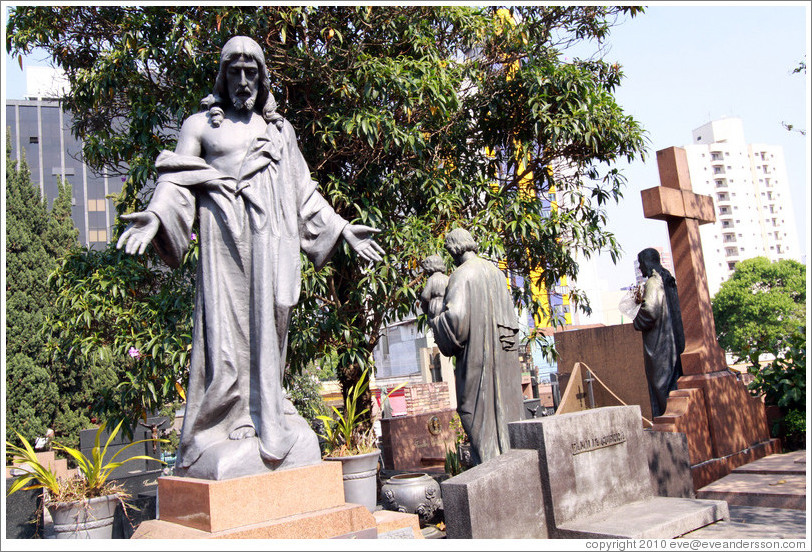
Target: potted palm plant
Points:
(82, 507)
(357, 449)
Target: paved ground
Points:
(767, 500)
(754, 522)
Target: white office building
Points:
(750, 191)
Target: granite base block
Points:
(501, 498)
(716, 468)
(216, 506)
(656, 518)
(324, 524)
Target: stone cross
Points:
(683, 210)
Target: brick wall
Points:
(426, 397)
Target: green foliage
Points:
(795, 430)
(345, 433)
(453, 458)
(453, 466)
(783, 381)
(348, 437)
(132, 313)
(36, 475)
(41, 391)
(414, 119)
(95, 473)
(304, 390)
(759, 306)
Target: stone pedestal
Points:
(725, 426)
(299, 503)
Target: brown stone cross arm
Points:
(683, 210)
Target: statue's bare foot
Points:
(243, 432)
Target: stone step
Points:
(750, 522)
(775, 490)
(656, 518)
(46, 457)
(789, 463)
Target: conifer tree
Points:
(42, 391)
(31, 393)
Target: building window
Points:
(385, 343)
(95, 205)
(33, 140)
(731, 265)
(98, 236)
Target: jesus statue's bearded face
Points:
(242, 77)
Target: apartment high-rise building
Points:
(40, 130)
(750, 190)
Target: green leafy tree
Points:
(113, 309)
(760, 306)
(761, 310)
(413, 119)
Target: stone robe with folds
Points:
(251, 230)
(479, 327)
(661, 343)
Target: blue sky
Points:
(687, 64)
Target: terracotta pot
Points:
(359, 473)
(412, 493)
(84, 519)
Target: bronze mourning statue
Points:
(238, 170)
(478, 326)
(660, 320)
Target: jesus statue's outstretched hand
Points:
(359, 238)
(143, 227)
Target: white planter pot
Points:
(359, 473)
(84, 519)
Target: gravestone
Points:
(596, 482)
(498, 499)
(669, 464)
(724, 425)
(23, 513)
